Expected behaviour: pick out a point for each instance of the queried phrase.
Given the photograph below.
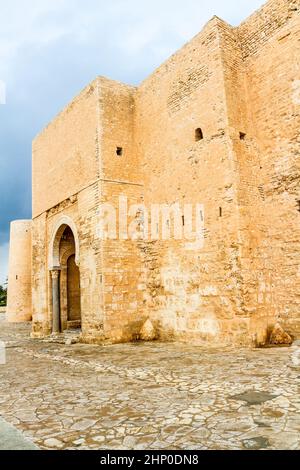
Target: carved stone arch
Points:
(54, 256)
(65, 256)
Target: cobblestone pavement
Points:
(149, 396)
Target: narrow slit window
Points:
(220, 212)
(119, 151)
(198, 134)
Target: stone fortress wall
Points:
(238, 86)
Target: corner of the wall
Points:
(219, 21)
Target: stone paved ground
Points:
(149, 396)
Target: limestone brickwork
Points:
(19, 299)
(239, 86)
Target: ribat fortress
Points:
(218, 124)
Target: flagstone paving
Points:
(149, 396)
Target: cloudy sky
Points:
(50, 49)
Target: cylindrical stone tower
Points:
(19, 273)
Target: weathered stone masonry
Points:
(238, 86)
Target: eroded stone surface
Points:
(279, 336)
(148, 332)
(254, 398)
(256, 443)
(148, 395)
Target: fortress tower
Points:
(19, 296)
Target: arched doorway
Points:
(64, 267)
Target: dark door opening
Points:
(73, 294)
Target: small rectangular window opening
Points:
(242, 136)
(198, 134)
(119, 151)
(220, 212)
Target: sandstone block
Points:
(148, 332)
(279, 336)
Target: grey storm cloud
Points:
(49, 50)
